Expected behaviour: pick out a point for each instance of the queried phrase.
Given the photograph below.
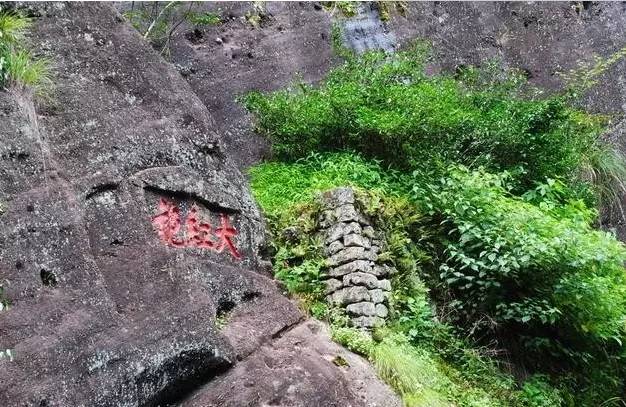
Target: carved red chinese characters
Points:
(197, 234)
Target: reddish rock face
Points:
(127, 232)
(113, 297)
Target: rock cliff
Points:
(130, 247)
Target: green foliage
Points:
(207, 18)
(386, 107)
(537, 392)
(17, 65)
(423, 379)
(346, 8)
(4, 302)
(12, 27)
(353, 339)
(278, 186)
(540, 273)
(605, 169)
(158, 21)
(257, 15)
(585, 76)
(483, 189)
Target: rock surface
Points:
(295, 38)
(110, 303)
(278, 374)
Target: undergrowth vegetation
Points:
(17, 65)
(486, 191)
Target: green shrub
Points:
(537, 392)
(278, 186)
(540, 273)
(353, 339)
(385, 107)
(506, 247)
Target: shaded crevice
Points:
(227, 305)
(224, 307)
(278, 334)
(192, 369)
(99, 189)
(185, 196)
(48, 278)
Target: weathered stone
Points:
(380, 270)
(334, 247)
(375, 249)
(332, 285)
(349, 254)
(363, 220)
(325, 220)
(381, 311)
(338, 230)
(338, 197)
(377, 296)
(362, 308)
(346, 213)
(368, 231)
(367, 322)
(360, 278)
(354, 266)
(349, 295)
(384, 285)
(356, 240)
(101, 306)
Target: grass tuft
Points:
(17, 65)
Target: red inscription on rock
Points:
(197, 234)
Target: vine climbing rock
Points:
(356, 280)
(128, 233)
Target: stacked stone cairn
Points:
(355, 279)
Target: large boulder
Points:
(110, 305)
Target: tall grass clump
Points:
(17, 65)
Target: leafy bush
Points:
(537, 392)
(386, 107)
(482, 187)
(353, 339)
(540, 273)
